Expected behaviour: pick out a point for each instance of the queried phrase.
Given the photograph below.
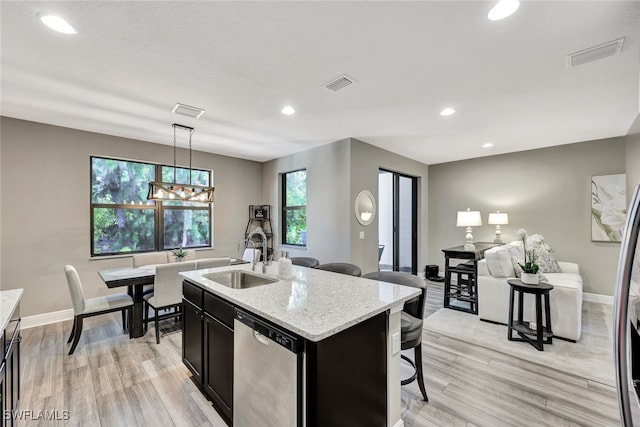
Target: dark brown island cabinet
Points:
(10, 368)
(345, 375)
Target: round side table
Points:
(541, 334)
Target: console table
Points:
(463, 294)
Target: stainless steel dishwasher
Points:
(267, 374)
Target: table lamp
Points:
(469, 219)
(498, 218)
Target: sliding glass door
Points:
(398, 222)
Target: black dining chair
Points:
(410, 321)
(342, 268)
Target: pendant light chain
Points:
(174, 154)
(190, 170)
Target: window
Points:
(124, 221)
(294, 208)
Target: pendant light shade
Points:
(175, 192)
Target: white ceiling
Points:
(243, 61)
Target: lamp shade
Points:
(469, 218)
(498, 218)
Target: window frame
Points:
(158, 209)
(286, 208)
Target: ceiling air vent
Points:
(186, 110)
(594, 53)
(339, 83)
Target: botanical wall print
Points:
(608, 207)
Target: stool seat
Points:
(410, 329)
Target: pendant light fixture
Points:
(174, 192)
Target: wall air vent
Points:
(186, 110)
(594, 53)
(339, 83)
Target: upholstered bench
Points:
(565, 298)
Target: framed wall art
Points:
(608, 207)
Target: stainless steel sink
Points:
(239, 279)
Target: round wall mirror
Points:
(365, 207)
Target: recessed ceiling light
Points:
(447, 111)
(487, 145)
(288, 110)
(503, 9)
(57, 24)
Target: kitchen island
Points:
(347, 330)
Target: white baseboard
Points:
(602, 299)
(46, 318)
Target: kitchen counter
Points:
(9, 301)
(315, 304)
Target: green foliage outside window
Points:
(124, 221)
(294, 224)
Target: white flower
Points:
(522, 234)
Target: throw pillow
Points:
(547, 262)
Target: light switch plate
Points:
(395, 343)
(361, 235)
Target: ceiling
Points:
(243, 61)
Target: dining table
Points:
(135, 279)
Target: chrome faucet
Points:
(260, 232)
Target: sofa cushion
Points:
(499, 262)
(565, 280)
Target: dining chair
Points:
(342, 268)
(212, 262)
(410, 321)
(149, 258)
(167, 293)
(304, 261)
(88, 307)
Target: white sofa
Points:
(565, 299)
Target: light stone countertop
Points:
(8, 302)
(315, 304)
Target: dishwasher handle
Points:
(265, 332)
(260, 338)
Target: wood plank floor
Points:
(114, 381)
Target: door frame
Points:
(396, 214)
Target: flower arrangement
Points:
(179, 253)
(529, 266)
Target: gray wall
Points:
(545, 191)
(45, 206)
(336, 173)
(366, 161)
(327, 200)
(632, 157)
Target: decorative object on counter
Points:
(180, 192)
(498, 218)
(285, 270)
(469, 219)
(93, 306)
(179, 253)
(529, 268)
(608, 207)
(365, 207)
